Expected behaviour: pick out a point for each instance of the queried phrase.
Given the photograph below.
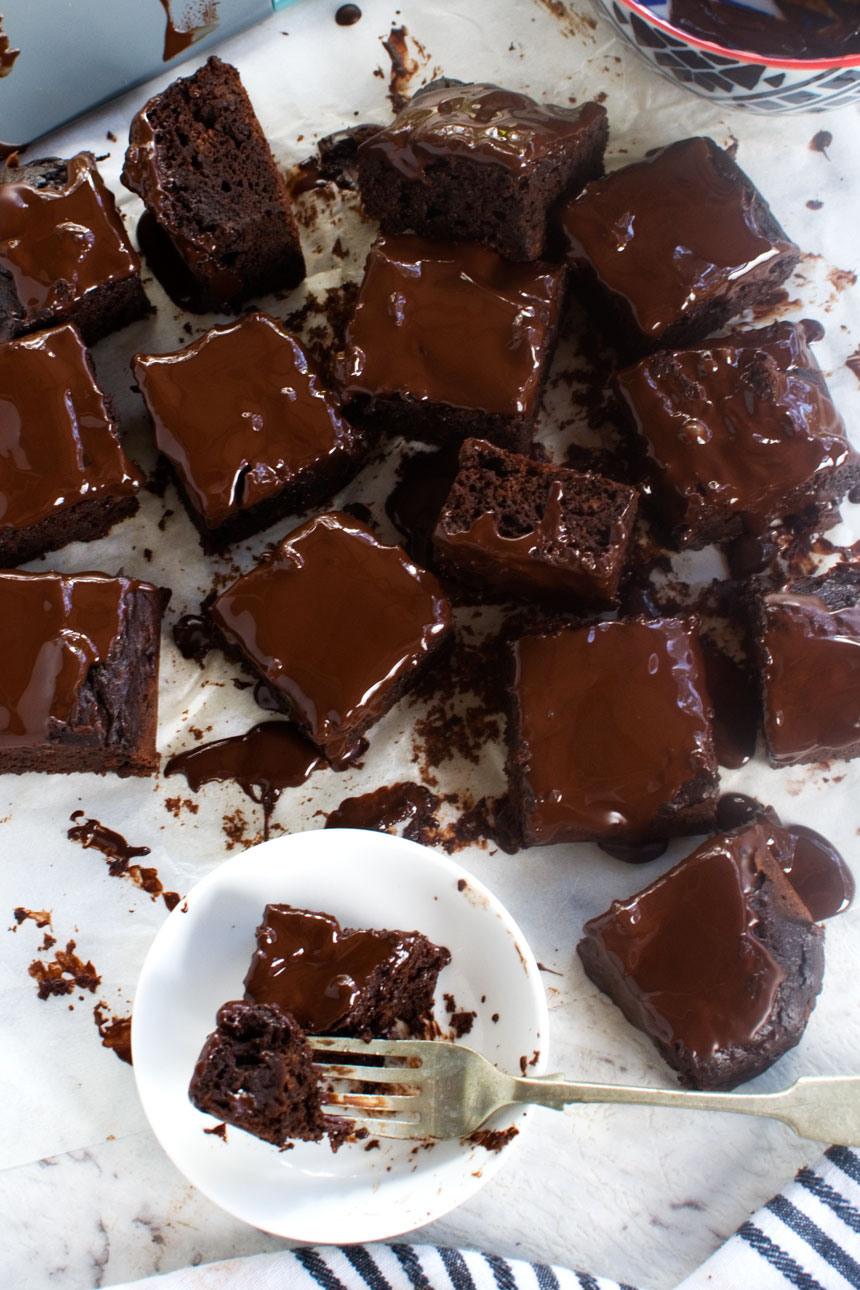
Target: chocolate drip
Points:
(423, 482)
(347, 15)
(182, 34)
(818, 873)
(194, 636)
(385, 808)
(267, 759)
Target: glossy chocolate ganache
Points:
(60, 242)
(482, 122)
(65, 449)
(451, 324)
(55, 629)
(240, 415)
(337, 623)
(334, 979)
(647, 769)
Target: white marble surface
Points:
(87, 1196)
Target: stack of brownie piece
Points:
(494, 210)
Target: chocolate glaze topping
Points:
(59, 244)
(615, 724)
(334, 621)
(811, 678)
(453, 324)
(306, 963)
(239, 414)
(481, 122)
(57, 443)
(736, 427)
(55, 628)
(707, 984)
(682, 208)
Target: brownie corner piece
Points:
(533, 529)
(332, 587)
(478, 163)
(718, 961)
(69, 479)
(670, 248)
(256, 1072)
(95, 708)
(65, 254)
(219, 224)
(467, 349)
(610, 734)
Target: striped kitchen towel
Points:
(807, 1237)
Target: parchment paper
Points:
(622, 1191)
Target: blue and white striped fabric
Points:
(807, 1237)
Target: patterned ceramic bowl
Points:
(732, 76)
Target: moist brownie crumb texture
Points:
(220, 225)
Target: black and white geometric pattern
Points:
(806, 1238)
(752, 85)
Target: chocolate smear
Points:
(115, 1032)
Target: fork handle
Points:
(826, 1108)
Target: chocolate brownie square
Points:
(610, 734)
(219, 225)
(337, 624)
(718, 962)
(63, 475)
(64, 253)
(348, 981)
(247, 426)
(256, 1072)
(450, 340)
(738, 432)
(808, 648)
(476, 163)
(78, 673)
(671, 247)
(529, 528)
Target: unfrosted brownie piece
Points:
(738, 432)
(63, 474)
(671, 247)
(64, 253)
(247, 426)
(347, 981)
(464, 352)
(337, 624)
(610, 734)
(219, 225)
(533, 529)
(477, 163)
(808, 647)
(78, 673)
(718, 961)
(255, 1072)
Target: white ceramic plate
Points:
(199, 960)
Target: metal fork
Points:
(448, 1091)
